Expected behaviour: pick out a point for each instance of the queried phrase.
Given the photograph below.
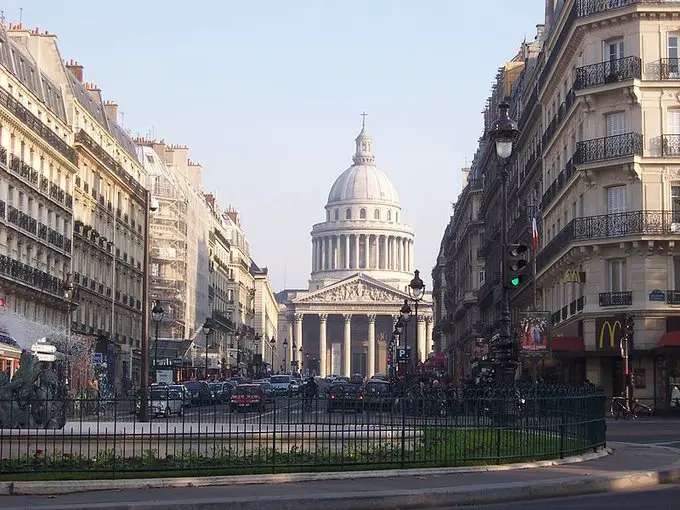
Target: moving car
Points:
(343, 397)
(200, 392)
(183, 391)
(221, 392)
(376, 395)
(164, 402)
(282, 384)
(248, 396)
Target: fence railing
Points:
(341, 429)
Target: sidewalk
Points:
(642, 465)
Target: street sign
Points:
(177, 362)
(403, 354)
(97, 358)
(48, 358)
(44, 348)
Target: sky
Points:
(268, 95)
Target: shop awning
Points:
(437, 360)
(670, 339)
(568, 344)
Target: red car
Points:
(249, 396)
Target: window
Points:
(613, 53)
(337, 215)
(149, 158)
(376, 214)
(673, 123)
(348, 214)
(362, 214)
(480, 275)
(389, 215)
(675, 204)
(616, 199)
(616, 275)
(673, 71)
(616, 123)
(676, 273)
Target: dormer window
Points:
(348, 214)
(362, 214)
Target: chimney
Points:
(540, 32)
(234, 216)
(76, 70)
(111, 109)
(94, 91)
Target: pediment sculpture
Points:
(356, 291)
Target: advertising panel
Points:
(534, 332)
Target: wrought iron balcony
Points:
(666, 69)
(29, 275)
(2, 209)
(619, 298)
(86, 141)
(3, 155)
(610, 71)
(559, 182)
(36, 125)
(607, 226)
(609, 147)
(673, 297)
(670, 145)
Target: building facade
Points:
(37, 168)
(598, 160)
(362, 263)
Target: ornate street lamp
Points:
(67, 290)
(207, 331)
(300, 357)
(503, 132)
(157, 313)
(416, 290)
(285, 354)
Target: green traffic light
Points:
(514, 281)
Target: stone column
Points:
(289, 355)
(428, 334)
(298, 335)
(367, 250)
(346, 251)
(420, 328)
(336, 253)
(323, 318)
(404, 256)
(356, 251)
(323, 253)
(379, 248)
(347, 346)
(370, 362)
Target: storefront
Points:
(667, 374)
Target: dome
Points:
(363, 182)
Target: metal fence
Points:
(290, 433)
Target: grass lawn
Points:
(435, 448)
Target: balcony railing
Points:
(666, 69)
(559, 182)
(36, 125)
(86, 141)
(670, 145)
(619, 298)
(607, 226)
(673, 297)
(40, 182)
(609, 147)
(30, 275)
(610, 71)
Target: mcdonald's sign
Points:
(574, 276)
(608, 333)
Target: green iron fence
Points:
(341, 429)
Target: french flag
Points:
(534, 233)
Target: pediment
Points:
(355, 289)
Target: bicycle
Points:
(308, 401)
(620, 406)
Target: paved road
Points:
(664, 497)
(659, 431)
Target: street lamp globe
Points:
(272, 342)
(503, 132)
(405, 311)
(399, 327)
(67, 287)
(157, 312)
(207, 326)
(285, 342)
(416, 288)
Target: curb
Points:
(61, 487)
(411, 499)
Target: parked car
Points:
(343, 397)
(249, 396)
(267, 388)
(376, 395)
(164, 402)
(221, 392)
(200, 392)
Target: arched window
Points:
(396, 217)
(337, 215)
(389, 215)
(348, 214)
(376, 214)
(362, 214)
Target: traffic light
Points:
(517, 264)
(629, 323)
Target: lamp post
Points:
(157, 313)
(272, 343)
(394, 342)
(238, 334)
(67, 289)
(416, 290)
(207, 331)
(503, 133)
(285, 354)
(293, 362)
(300, 358)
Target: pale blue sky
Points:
(268, 96)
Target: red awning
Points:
(568, 343)
(670, 339)
(438, 359)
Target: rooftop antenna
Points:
(21, 14)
